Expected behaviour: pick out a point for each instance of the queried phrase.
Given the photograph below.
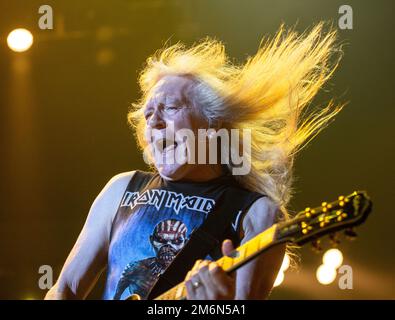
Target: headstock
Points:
(313, 223)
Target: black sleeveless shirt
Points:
(155, 219)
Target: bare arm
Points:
(88, 258)
(255, 280)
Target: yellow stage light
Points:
(20, 40)
(325, 274)
(333, 258)
(279, 279)
(285, 264)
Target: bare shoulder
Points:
(260, 216)
(118, 183)
(106, 203)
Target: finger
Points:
(227, 247)
(196, 265)
(190, 290)
(199, 292)
(223, 283)
(204, 275)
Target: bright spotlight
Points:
(20, 40)
(325, 274)
(279, 279)
(333, 258)
(285, 264)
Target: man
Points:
(141, 221)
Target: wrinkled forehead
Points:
(171, 89)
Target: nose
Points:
(156, 121)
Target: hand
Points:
(207, 280)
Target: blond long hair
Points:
(270, 94)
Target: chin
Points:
(172, 172)
(172, 164)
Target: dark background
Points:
(64, 134)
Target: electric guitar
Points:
(307, 226)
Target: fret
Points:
(179, 291)
(176, 293)
(165, 296)
(227, 263)
(252, 247)
(267, 237)
(161, 297)
(242, 252)
(171, 294)
(220, 262)
(241, 255)
(168, 295)
(184, 291)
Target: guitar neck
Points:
(240, 256)
(307, 226)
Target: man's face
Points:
(168, 110)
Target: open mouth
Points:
(165, 145)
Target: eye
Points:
(170, 109)
(147, 115)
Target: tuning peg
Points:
(334, 239)
(316, 246)
(350, 234)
